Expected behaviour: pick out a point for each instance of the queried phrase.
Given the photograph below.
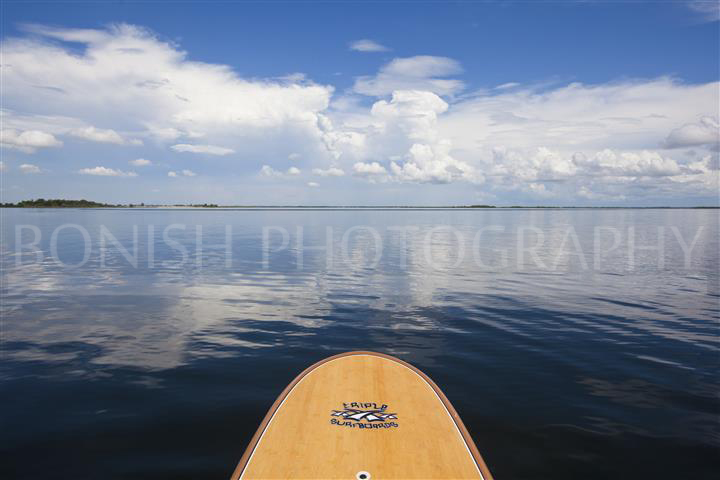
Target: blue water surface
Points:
(149, 343)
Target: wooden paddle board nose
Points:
(361, 416)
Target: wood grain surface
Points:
(329, 423)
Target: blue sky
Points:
(565, 103)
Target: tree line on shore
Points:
(55, 203)
(64, 203)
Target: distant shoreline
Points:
(86, 204)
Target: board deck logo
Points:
(363, 415)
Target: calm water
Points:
(581, 358)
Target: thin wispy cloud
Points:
(183, 173)
(507, 86)
(708, 10)
(29, 168)
(140, 162)
(106, 172)
(705, 132)
(268, 171)
(422, 72)
(103, 136)
(207, 149)
(329, 172)
(367, 45)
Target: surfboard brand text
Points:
(363, 415)
(364, 405)
(363, 425)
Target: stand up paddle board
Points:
(361, 416)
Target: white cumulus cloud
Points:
(413, 112)
(620, 139)
(268, 171)
(433, 164)
(373, 168)
(147, 87)
(27, 141)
